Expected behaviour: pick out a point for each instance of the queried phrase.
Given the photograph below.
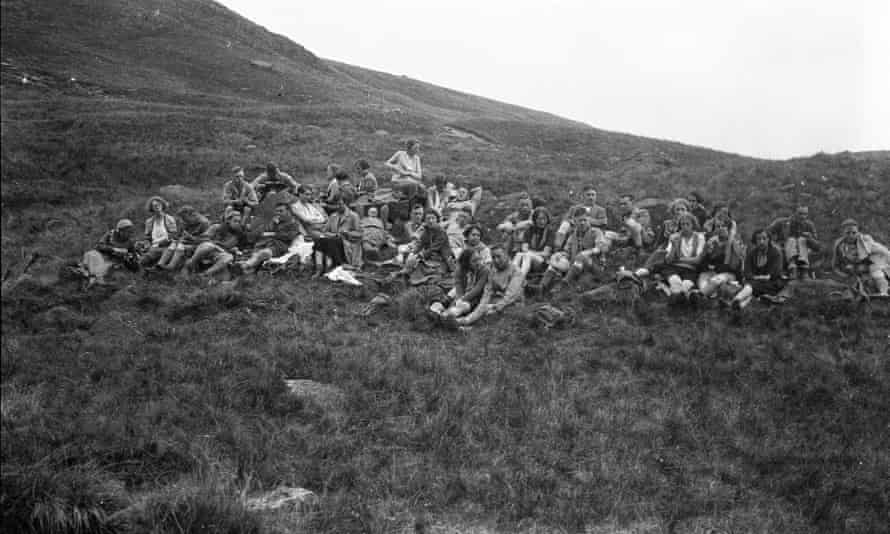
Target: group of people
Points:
(431, 234)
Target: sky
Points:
(773, 79)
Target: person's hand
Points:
(459, 302)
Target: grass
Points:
(160, 406)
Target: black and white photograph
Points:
(401, 267)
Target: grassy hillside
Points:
(159, 405)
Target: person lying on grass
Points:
(857, 254)
(224, 241)
(160, 230)
(116, 248)
(503, 288)
(193, 226)
(273, 180)
(240, 196)
(470, 278)
(581, 252)
(275, 240)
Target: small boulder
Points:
(297, 499)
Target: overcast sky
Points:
(764, 78)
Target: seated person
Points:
(635, 228)
(160, 231)
(438, 194)
(696, 205)
(341, 239)
(503, 288)
(115, 248)
(367, 182)
(340, 190)
(683, 257)
(308, 213)
(432, 252)
(582, 246)
(763, 270)
(275, 240)
(722, 262)
(224, 241)
(720, 214)
(194, 225)
(406, 167)
(858, 254)
(465, 200)
(596, 215)
(470, 278)
(240, 196)
(473, 241)
(455, 229)
(273, 180)
(797, 234)
(408, 238)
(678, 209)
(537, 243)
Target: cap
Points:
(123, 223)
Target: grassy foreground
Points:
(161, 406)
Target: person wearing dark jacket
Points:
(193, 227)
(223, 243)
(115, 248)
(275, 240)
(762, 271)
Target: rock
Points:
(330, 398)
(299, 499)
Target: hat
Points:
(849, 222)
(123, 223)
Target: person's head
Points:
(499, 257)
(541, 217)
(342, 176)
(694, 198)
(340, 206)
(431, 218)
(156, 205)
(332, 170)
(721, 229)
(721, 212)
(440, 182)
(362, 166)
(412, 146)
(282, 210)
(760, 239)
(124, 228)
(304, 193)
(686, 222)
(626, 201)
(373, 212)
(463, 193)
(473, 235)
(850, 230)
(237, 174)
(271, 170)
(525, 206)
(590, 195)
(233, 220)
(802, 213)
(417, 214)
(188, 213)
(679, 207)
(582, 223)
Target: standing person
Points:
(273, 180)
(797, 234)
(240, 196)
(160, 230)
(856, 254)
(406, 165)
(224, 242)
(503, 288)
(115, 248)
(275, 240)
(596, 215)
(193, 227)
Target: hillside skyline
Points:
(748, 85)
